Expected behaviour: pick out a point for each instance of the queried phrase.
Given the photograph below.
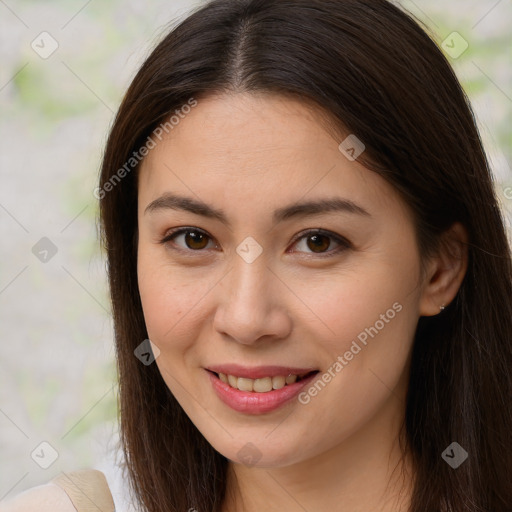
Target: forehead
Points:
(245, 149)
(252, 128)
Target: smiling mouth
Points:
(262, 385)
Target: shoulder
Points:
(68, 492)
(43, 498)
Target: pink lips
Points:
(253, 402)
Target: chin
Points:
(261, 451)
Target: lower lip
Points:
(253, 402)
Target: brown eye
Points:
(316, 241)
(193, 239)
(320, 241)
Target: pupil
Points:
(193, 237)
(318, 243)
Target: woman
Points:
(298, 213)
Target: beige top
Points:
(84, 490)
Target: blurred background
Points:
(64, 68)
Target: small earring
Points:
(441, 307)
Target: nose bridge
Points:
(248, 306)
(249, 283)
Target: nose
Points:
(252, 303)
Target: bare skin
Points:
(297, 304)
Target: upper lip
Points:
(259, 372)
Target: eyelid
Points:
(169, 235)
(340, 240)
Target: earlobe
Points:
(447, 271)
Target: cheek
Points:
(163, 302)
(171, 299)
(372, 300)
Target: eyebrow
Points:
(316, 207)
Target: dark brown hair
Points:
(379, 76)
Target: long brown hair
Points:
(379, 76)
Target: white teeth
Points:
(278, 382)
(263, 385)
(244, 384)
(291, 379)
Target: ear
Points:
(445, 271)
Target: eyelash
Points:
(344, 244)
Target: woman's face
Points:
(253, 290)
